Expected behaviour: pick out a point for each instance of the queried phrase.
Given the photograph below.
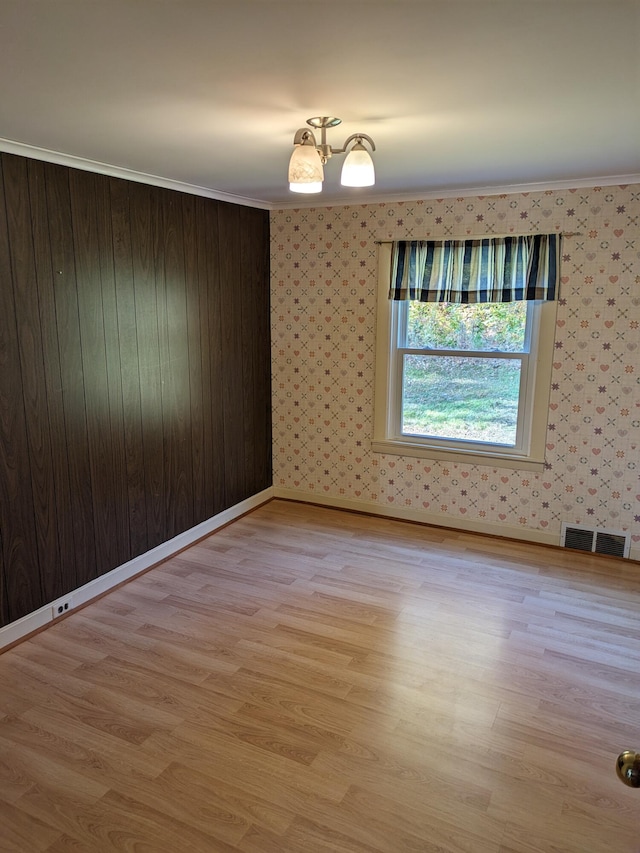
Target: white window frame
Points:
(535, 385)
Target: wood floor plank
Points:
(309, 680)
(20, 832)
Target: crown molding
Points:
(73, 162)
(464, 192)
(354, 200)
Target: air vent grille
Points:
(581, 540)
(611, 543)
(615, 543)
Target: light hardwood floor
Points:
(312, 680)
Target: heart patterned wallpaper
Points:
(323, 302)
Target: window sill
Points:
(468, 457)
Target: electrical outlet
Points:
(61, 607)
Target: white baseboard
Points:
(32, 622)
(405, 514)
(21, 628)
(422, 517)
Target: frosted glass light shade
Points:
(305, 170)
(313, 187)
(358, 170)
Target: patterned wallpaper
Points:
(324, 275)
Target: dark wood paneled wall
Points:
(134, 371)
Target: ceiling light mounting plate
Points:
(324, 121)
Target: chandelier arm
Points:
(302, 135)
(352, 137)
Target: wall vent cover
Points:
(615, 543)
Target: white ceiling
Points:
(456, 95)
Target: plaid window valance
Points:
(493, 269)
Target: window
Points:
(462, 381)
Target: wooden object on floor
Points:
(313, 680)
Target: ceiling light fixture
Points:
(306, 167)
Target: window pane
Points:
(483, 327)
(463, 398)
